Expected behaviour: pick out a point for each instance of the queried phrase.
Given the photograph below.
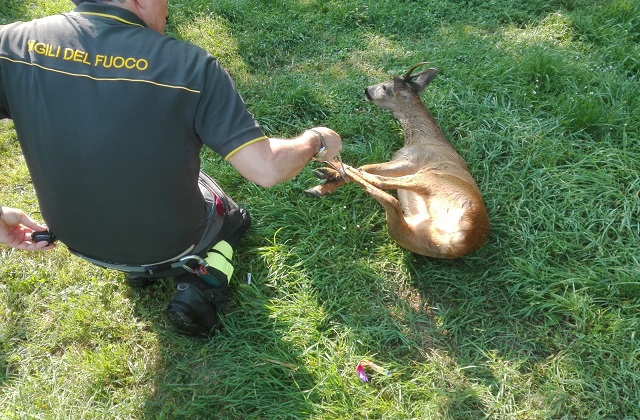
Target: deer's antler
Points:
(408, 77)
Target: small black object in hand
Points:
(43, 235)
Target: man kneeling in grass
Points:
(111, 116)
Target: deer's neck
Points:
(418, 125)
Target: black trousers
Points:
(226, 221)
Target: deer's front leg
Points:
(393, 168)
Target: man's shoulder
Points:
(13, 26)
(181, 45)
(183, 53)
(27, 25)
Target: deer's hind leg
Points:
(397, 225)
(405, 182)
(386, 200)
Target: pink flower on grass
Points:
(363, 376)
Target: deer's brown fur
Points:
(439, 211)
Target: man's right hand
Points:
(271, 161)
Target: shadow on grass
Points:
(463, 319)
(243, 371)
(483, 310)
(458, 335)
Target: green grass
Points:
(541, 99)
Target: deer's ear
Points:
(398, 82)
(424, 79)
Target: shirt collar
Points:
(107, 11)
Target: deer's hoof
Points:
(327, 174)
(316, 192)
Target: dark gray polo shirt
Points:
(111, 117)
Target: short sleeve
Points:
(4, 111)
(222, 121)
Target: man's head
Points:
(152, 12)
(77, 2)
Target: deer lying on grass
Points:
(439, 211)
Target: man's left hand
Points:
(16, 229)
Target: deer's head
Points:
(399, 91)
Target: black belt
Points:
(191, 263)
(148, 269)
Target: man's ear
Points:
(138, 4)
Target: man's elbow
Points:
(266, 179)
(266, 183)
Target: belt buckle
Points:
(201, 270)
(188, 258)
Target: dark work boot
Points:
(137, 282)
(193, 309)
(244, 226)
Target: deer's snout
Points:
(367, 94)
